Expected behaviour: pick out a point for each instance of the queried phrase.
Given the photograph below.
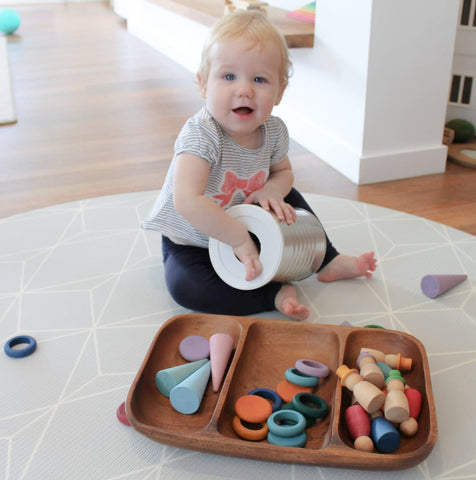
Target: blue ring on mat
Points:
(296, 425)
(301, 403)
(296, 441)
(269, 395)
(293, 375)
(30, 347)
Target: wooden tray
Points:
(264, 350)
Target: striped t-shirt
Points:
(235, 171)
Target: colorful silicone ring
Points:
(269, 395)
(319, 408)
(286, 423)
(29, 342)
(249, 431)
(293, 375)
(313, 368)
(121, 414)
(253, 409)
(297, 441)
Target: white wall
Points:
(370, 98)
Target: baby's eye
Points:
(229, 76)
(260, 80)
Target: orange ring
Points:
(253, 409)
(286, 390)
(250, 433)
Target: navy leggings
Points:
(193, 283)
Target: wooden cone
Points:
(221, 346)
(434, 285)
(187, 396)
(168, 378)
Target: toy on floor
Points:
(121, 414)
(9, 21)
(435, 285)
(26, 343)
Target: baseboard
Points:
(357, 166)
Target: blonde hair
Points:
(252, 26)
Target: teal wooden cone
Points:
(187, 396)
(168, 378)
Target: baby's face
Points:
(242, 87)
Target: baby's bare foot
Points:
(287, 303)
(345, 266)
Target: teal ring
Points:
(293, 375)
(300, 403)
(296, 423)
(309, 421)
(296, 441)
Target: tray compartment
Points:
(269, 350)
(148, 409)
(391, 341)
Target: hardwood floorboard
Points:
(98, 113)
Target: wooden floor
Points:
(98, 113)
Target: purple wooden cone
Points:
(434, 285)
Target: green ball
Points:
(9, 21)
(464, 130)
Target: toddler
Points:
(235, 151)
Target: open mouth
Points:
(243, 110)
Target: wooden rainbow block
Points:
(307, 13)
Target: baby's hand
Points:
(271, 200)
(248, 254)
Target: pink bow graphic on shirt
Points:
(232, 183)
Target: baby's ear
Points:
(280, 95)
(202, 85)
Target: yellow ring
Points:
(249, 433)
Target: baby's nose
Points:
(245, 89)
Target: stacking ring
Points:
(286, 423)
(311, 367)
(28, 349)
(302, 401)
(309, 420)
(296, 441)
(249, 431)
(293, 375)
(269, 395)
(121, 414)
